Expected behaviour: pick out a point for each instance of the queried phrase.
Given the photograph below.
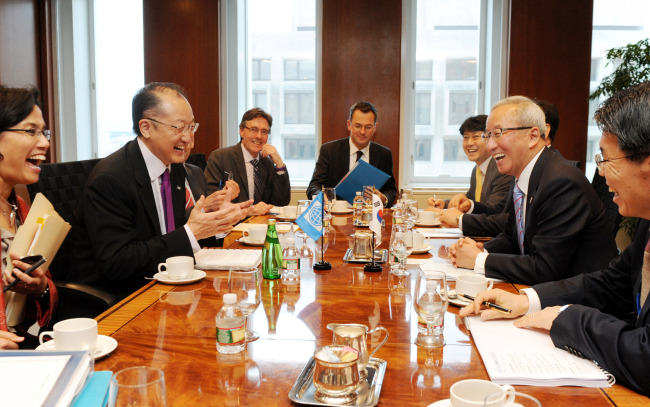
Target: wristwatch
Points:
(562, 308)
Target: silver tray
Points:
(381, 255)
(367, 393)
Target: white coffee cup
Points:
(418, 240)
(289, 212)
(340, 206)
(178, 267)
(73, 334)
(428, 217)
(256, 233)
(472, 393)
(472, 284)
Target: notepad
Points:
(226, 259)
(441, 232)
(451, 271)
(528, 357)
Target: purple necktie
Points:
(518, 196)
(166, 195)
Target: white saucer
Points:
(105, 345)
(436, 223)
(286, 218)
(245, 240)
(423, 250)
(458, 301)
(441, 403)
(164, 278)
(342, 212)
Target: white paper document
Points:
(441, 232)
(451, 271)
(528, 357)
(225, 259)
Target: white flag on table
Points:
(377, 215)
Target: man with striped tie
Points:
(554, 227)
(255, 165)
(609, 319)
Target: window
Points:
(615, 24)
(299, 147)
(278, 42)
(298, 107)
(261, 69)
(97, 79)
(446, 75)
(295, 70)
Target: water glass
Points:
(430, 301)
(303, 204)
(138, 386)
(246, 284)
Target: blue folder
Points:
(361, 175)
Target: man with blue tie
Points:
(131, 215)
(255, 165)
(609, 319)
(554, 226)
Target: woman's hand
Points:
(9, 340)
(33, 284)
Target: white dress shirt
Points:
(353, 154)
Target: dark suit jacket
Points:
(277, 189)
(567, 231)
(117, 234)
(334, 162)
(602, 325)
(495, 187)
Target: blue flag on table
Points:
(311, 221)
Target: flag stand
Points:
(372, 267)
(322, 264)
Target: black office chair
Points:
(198, 159)
(606, 197)
(62, 184)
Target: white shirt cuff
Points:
(479, 263)
(534, 304)
(471, 206)
(193, 241)
(460, 222)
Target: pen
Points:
(28, 272)
(488, 304)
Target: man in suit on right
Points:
(609, 319)
(338, 157)
(554, 227)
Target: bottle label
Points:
(231, 336)
(291, 264)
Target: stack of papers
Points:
(524, 356)
(226, 259)
(448, 233)
(31, 378)
(451, 271)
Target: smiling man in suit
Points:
(251, 156)
(487, 187)
(338, 157)
(609, 319)
(555, 223)
(131, 215)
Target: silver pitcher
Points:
(354, 336)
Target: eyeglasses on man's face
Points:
(255, 130)
(192, 127)
(368, 128)
(600, 161)
(497, 133)
(33, 132)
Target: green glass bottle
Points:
(272, 253)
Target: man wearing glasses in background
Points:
(255, 165)
(556, 226)
(338, 157)
(131, 215)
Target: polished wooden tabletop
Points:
(173, 328)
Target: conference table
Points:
(172, 327)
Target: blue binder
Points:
(361, 175)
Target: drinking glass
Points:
(303, 204)
(246, 284)
(407, 194)
(284, 230)
(138, 386)
(410, 212)
(329, 195)
(430, 302)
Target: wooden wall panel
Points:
(361, 61)
(181, 45)
(550, 58)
